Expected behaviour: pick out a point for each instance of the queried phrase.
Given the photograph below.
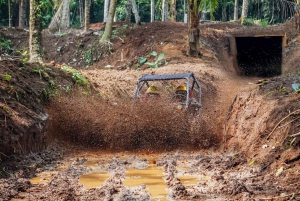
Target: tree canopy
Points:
(271, 11)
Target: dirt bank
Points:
(24, 91)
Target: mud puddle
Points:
(94, 179)
(42, 178)
(152, 177)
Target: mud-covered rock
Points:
(9, 188)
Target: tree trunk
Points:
(128, 11)
(55, 24)
(65, 18)
(9, 13)
(244, 11)
(224, 13)
(35, 31)
(135, 12)
(297, 18)
(81, 16)
(173, 12)
(115, 17)
(106, 6)
(193, 27)
(87, 7)
(109, 21)
(152, 10)
(22, 13)
(164, 15)
(236, 10)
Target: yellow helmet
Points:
(181, 88)
(152, 90)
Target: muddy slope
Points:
(264, 125)
(24, 90)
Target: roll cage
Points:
(192, 84)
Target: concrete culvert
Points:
(259, 56)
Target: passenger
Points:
(180, 93)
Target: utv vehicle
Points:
(183, 90)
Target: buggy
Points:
(186, 96)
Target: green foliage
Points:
(142, 60)
(24, 54)
(5, 45)
(5, 109)
(115, 32)
(52, 84)
(77, 77)
(88, 57)
(283, 90)
(296, 87)
(153, 54)
(157, 63)
(209, 6)
(251, 22)
(251, 161)
(263, 23)
(248, 22)
(7, 77)
(40, 71)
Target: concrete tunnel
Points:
(259, 56)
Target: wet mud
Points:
(134, 176)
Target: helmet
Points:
(181, 88)
(152, 90)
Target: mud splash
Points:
(93, 122)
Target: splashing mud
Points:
(121, 125)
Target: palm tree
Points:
(173, 12)
(193, 27)
(194, 8)
(87, 7)
(152, 10)
(244, 11)
(35, 31)
(128, 11)
(135, 12)
(55, 21)
(22, 13)
(109, 21)
(106, 6)
(236, 10)
(9, 14)
(81, 16)
(164, 10)
(65, 16)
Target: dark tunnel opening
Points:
(259, 56)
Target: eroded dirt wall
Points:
(24, 90)
(259, 123)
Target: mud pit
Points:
(137, 177)
(245, 152)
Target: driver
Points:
(152, 91)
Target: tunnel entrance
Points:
(259, 56)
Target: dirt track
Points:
(249, 155)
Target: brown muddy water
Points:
(152, 176)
